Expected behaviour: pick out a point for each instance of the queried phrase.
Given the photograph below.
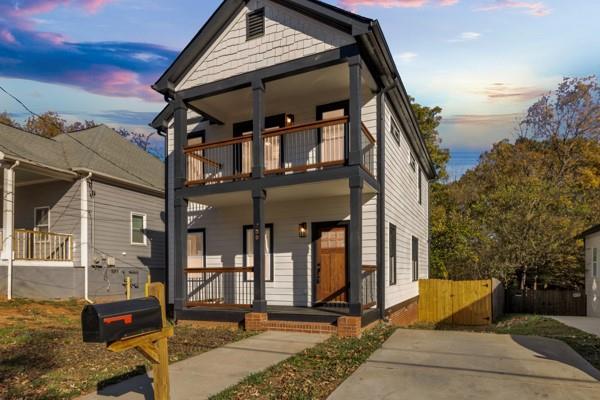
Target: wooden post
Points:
(153, 346)
(148, 282)
(128, 288)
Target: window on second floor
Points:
(255, 24)
(420, 178)
(395, 130)
(412, 162)
(138, 226)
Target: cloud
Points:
(354, 4)
(121, 69)
(477, 131)
(537, 9)
(465, 37)
(500, 91)
(127, 117)
(407, 57)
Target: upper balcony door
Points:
(242, 152)
(332, 139)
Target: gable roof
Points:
(99, 150)
(590, 231)
(367, 33)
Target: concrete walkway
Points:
(586, 324)
(423, 365)
(211, 372)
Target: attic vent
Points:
(255, 24)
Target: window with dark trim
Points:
(412, 162)
(249, 252)
(393, 258)
(415, 259)
(255, 24)
(196, 248)
(395, 130)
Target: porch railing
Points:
(219, 287)
(369, 286)
(222, 161)
(368, 150)
(298, 148)
(42, 246)
(305, 147)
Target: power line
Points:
(78, 141)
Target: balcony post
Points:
(8, 223)
(354, 111)
(355, 245)
(260, 303)
(258, 124)
(180, 224)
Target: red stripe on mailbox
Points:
(127, 319)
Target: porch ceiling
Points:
(321, 86)
(27, 176)
(314, 190)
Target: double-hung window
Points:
(138, 228)
(595, 262)
(415, 259)
(42, 219)
(393, 258)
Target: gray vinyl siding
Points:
(110, 229)
(402, 209)
(63, 198)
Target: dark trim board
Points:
(369, 316)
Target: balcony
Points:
(294, 149)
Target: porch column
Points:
(8, 223)
(258, 123)
(354, 111)
(179, 235)
(381, 205)
(355, 245)
(260, 303)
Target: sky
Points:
(483, 61)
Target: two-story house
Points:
(297, 178)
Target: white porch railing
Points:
(42, 246)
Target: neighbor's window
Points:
(420, 186)
(595, 262)
(196, 243)
(138, 225)
(255, 24)
(249, 251)
(395, 130)
(42, 219)
(393, 259)
(415, 259)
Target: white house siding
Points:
(292, 283)
(592, 283)
(288, 35)
(111, 210)
(403, 210)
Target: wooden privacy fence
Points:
(546, 302)
(458, 302)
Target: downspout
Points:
(11, 233)
(84, 248)
(381, 198)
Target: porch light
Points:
(302, 230)
(289, 119)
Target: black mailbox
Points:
(113, 321)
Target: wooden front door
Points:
(331, 283)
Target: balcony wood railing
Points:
(298, 148)
(219, 287)
(369, 286)
(42, 246)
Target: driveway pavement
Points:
(586, 324)
(212, 372)
(449, 365)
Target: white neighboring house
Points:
(591, 238)
(298, 180)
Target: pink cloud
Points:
(537, 9)
(110, 81)
(28, 8)
(7, 37)
(354, 4)
(501, 91)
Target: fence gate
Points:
(455, 302)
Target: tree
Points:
(429, 119)
(6, 119)
(49, 124)
(143, 141)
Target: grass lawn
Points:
(43, 357)
(312, 374)
(587, 345)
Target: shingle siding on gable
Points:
(288, 35)
(402, 209)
